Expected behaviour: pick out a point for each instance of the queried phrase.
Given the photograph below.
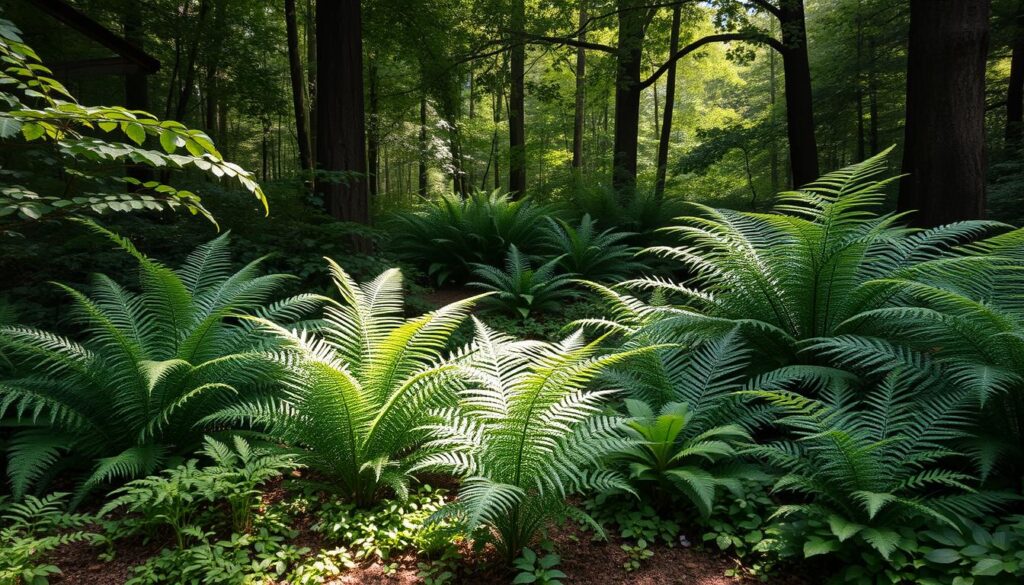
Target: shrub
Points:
(526, 433)
(152, 365)
(359, 389)
(522, 290)
(449, 234)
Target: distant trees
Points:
(944, 147)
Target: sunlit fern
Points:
(150, 365)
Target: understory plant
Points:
(526, 433)
(583, 250)
(359, 388)
(868, 467)
(32, 530)
(522, 290)
(152, 364)
(447, 234)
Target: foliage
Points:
(153, 364)
(184, 499)
(633, 518)
(869, 466)
(595, 255)
(636, 554)
(666, 454)
(520, 289)
(533, 568)
(741, 527)
(390, 527)
(358, 390)
(526, 433)
(448, 234)
(31, 530)
(41, 111)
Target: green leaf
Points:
(525, 578)
(107, 126)
(943, 556)
(9, 127)
(32, 131)
(987, 567)
(135, 132)
(817, 546)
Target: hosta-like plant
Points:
(150, 366)
(358, 390)
(668, 458)
(863, 469)
(522, 290)
(588, 253)
(527, 432)
(449, 233)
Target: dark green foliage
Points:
(31, 530)
(534, 568)
(522, 290)
(152, 365)
(586, 252)
(448, 234)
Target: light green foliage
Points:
(634, 519)
(522, 290)
(868, 467)
(31, 530)
(359, 389)
(390, 527)
(38, 110)
(676, 460)
(187, 498)
(741, 527)
(534, 568)
(152, 365)
(526, 433)
(636, 554)
(448, 234)
(325, 565)
(586, 252)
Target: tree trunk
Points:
(311, 77)
(373, 133)
(627, 98)
(581, 96)
(189, 80)
(517, 105)
(422, 188)
(212, 64)
(872, 98)
(803, 148)
(1015, 91)
(298, 87)
(341, 127)
(670, 98)
(773, 144)
(944, 145)
(136, 85)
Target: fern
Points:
(359, 389)
(600, 256)
(522, 290)
(151, 365)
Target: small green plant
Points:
(440, 571)
(238, 472)
(31, 530)
(520, 289)
(636, 554)
(325, 565)
(741, 527)
(633, 518)
(600, 256)
(534, 568)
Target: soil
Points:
(444, 296)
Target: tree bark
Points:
(1015, 91)
(670, 98)
(422, 188)
(517, 105)
(803, 148)
(311, 76)
(373, 132)
(298, 87)
(341, 127)
(627, 98)
(944, 145)
(189, 80)
(581, 95)
(136, 85)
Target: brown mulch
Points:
(444, 296)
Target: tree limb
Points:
(719, 38)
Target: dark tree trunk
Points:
(803, 148)
(581, 95)
(311, 77)
(422, 188)
(517, 105)
(341, 127)
(944, 146)
(670, 98)
(873, 98)
(373, 133)
(136, 85)
(298, 87)
(212, 65)
(773, 144)
(627, 98)
(188, 82)
(1015, 91)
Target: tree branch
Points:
(768, 6)
(719, 38)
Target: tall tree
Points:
(633, 20)
(803, 147)
(341, 127)
(517, 103)
(581, 94)
(188, 82)
(944, 148)
(1015, 89)
(670, 98)
(298, 87)
(422, 187)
